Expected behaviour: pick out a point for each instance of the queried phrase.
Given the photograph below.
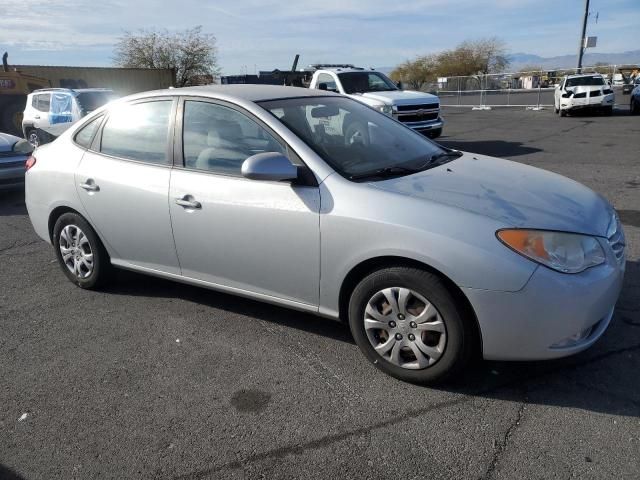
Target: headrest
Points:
(224, 134)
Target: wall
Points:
(123, 81)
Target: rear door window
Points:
(138, 131)
(86, 133)
(42, 102)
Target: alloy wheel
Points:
(76, 251)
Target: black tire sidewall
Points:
(459, 341)
(100, 258)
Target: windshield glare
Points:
(362, 82)
(574, 82)
(90, 101)
(350, 136)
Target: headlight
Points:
(386, 109)
(564, 252)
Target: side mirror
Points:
(270, 166)
(399, 85)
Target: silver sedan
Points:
(429, 254)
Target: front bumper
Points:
(588, 102)
(554, 315)
(427, 126)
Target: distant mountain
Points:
(519, 60)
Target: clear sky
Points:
(266, 34)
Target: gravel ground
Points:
(152, 379)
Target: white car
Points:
(50, 111)
(583, 92)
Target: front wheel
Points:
(435, 133)
(634, 108)
(408, 325)
(34, 138)
(80, 252)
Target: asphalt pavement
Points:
(153, 379)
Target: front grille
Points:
(616, 238)
(424, 106)
(425, 117)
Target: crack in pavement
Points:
(501, 447)
(15, 244)
(281, 452)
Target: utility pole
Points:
(583, 36)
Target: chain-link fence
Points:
(531, 89)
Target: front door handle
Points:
(90, 186)
(188, 202)
(37, 117)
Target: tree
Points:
(416, 73)
(191, 53)
(483, 56)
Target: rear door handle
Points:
(90, 186)
(188, 202)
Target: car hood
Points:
(510, 192)
(402, 97)
(7, 142)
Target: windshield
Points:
(362, 82)
(351, 137)
(574, 82)
(90, 101)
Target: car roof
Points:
(72, 90)
(346, 70)
(250, 92)
(576, 75)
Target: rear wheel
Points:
(80, 252)
(634, 108)
(408, 325)
(35, 138)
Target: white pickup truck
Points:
(418, 110)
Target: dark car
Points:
(627, 88)
(14, 152)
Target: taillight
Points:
(31, 161)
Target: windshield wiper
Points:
(444, 155)
(384, 172)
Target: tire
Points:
(444, 333)
(356, 133)
(434, 133)
(563, 113)
(608, 111)
(35, 138)
(633, 107)
(11, 117)
(79, 269)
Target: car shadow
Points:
(7, 474)
(493, 148)
(490, 379)
(134, 284)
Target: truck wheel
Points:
(11, 118)
(434, 133)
